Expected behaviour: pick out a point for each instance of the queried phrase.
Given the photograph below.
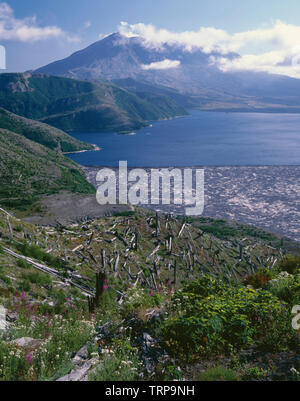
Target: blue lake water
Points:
(201, 139)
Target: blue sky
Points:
(56, 28)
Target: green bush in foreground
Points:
(290, 264)
(209, 316)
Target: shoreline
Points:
(96, 149)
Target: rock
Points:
(81, 356)
(100, 337)
(151, 354)
(27, 342)
(79, 374)
(103, 330)
(11, 317)
(156, 317)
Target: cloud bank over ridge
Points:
(274, 49)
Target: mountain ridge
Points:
(119, 58)
(81, 106)
(44, 134)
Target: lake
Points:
(201, 139)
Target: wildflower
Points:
(29, 359)
(23, 296)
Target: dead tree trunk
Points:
(100, 280)
(94, 302)
(103, 259)
(9, 227)
(157, 225)
(175, 272)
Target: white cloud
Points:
(272, 62)
(206, 38)
(104, 35)
(27, 30)
(274, 49)
(161, 65)
(87, 25)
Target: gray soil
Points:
(67, 208)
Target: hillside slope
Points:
(80, 106)
(44, 134)
(173, 303)
(29, 170)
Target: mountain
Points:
(73, 105)
(119, 58)
(29, 170)
(44, 134)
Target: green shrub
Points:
(290, 264)
(286, 288)
(126, 213)
(34, 251)
(218, 373)
(24, 286)
(5, 279)
(140, 299)
(254, 373)
(209, 316)
(278, 334)
(259, 279)
(22, 263)
(37, 278)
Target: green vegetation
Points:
(200, 312)
(259, 279)
(41, 133)
(218, 373)
(37, 253)
(122, 365)
(61, 334)
(290, 264)
(226, 229)
(209, 316)
(29, 170)
(81, 106)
